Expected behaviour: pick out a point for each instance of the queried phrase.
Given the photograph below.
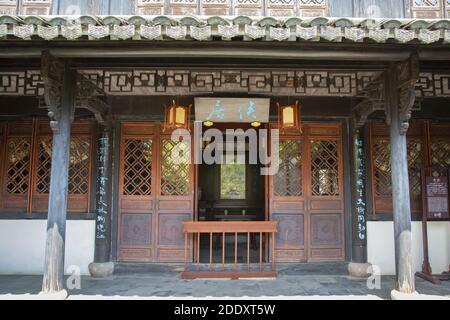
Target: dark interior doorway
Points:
(231, 192)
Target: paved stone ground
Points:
(160, 281)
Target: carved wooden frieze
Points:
(430, 9)
(289, 82)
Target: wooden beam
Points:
(61, 112)
(251, 50)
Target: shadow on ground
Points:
(164, 281)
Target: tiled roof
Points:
(224, 28)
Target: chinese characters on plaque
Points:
(232, 109)
(437, 197)
(102, 205)
(360, 205)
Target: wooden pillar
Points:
(102, 265)
(400, 97)
(103, 210)
(60, 101)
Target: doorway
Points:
(232, 190)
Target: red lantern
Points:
(176, 117)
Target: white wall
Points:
(22, 245)
(380, 246)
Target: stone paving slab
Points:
(294, 282)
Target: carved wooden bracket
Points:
(52, 73)
(90, 96)
(404, 77)
(373, 100)
(407, 76)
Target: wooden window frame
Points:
(35, 202)
(420, 130)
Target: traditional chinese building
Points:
(90, 92)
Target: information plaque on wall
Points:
(437, 197)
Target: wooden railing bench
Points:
(193, 230)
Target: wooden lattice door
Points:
(306, 195)
(155, 195)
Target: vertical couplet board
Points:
(307, 195)
(155, 195)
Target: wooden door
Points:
(155, 195)
(306, 195)
(175, 197)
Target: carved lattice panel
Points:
(281, 8)
(428, 9)
(313, 8)
(150, 7)
(79, 166)
(415, 162)
(8, 7)
(36, 7)
(248, 7)
(183, 7)
(175, 167)
(382, 167)
(44, 166)
(325, 168)
(288, 180)
(137, 173)
(215, 7)
(440, 153)
(18, 165)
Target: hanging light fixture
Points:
(289, 117)
(176, 117)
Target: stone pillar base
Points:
(101, 270)
(60, 295)
(359, 270)
(397, 295)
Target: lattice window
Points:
(8, 7)
(138, 167)
(281, 8)
(35, 7)
(175, 167)
(18, 165)
(183, 7)
(415, 162)
(288, 180)
(440, 153)
(427, 9)
(248, 7)
(79, 165)
(324, 168)
(78, 168)
(44, 166)
(312, 8)
(150, 7)
(382, 167)
(215, 7)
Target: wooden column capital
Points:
(53, 73)
(402, 78)
(373, 100)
